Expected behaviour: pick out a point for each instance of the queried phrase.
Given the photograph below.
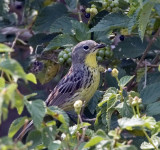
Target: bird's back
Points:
(81, 82)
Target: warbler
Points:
(82, 80)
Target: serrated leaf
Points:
(111, 21)
(149, 122)
(5, 48)
(37, 110)
(39, 39)
(61, 40)
(94, 101)
(31, 77)
(93, 141)
(125, 80)
(144, 18)
(124, 110)
(71, 3)
(111, 92)
(151, 93)
(48, 135)
(35, 137)
(81, 28)
(133, 21)
(153, 109)
(129, 123)
(130, 48)
(55, 145)
(13, 68)
(48, 15)
(62, 24)
(153, 77)
(155, 140)
(15, 126)
(58, 114)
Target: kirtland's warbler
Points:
(80, 83)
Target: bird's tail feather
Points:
(24, 131)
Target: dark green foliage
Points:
(124, 111)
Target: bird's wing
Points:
(65, 89)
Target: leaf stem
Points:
(149, 139)
(137, 107)
(121, 89)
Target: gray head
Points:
(83, 49)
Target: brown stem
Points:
(148, 48)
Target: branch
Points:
(148, 48)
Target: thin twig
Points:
(79, 13)
(14, 42)
(143, 57)
(148, 48)
(145, 75)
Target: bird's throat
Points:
(91, 60)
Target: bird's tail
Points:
(24, 131)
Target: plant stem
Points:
(149, 139)
(137, 107)
(133, 110)
(121, 89)
(79, 13)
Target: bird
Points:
(81, 81)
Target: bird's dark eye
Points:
(85, 47)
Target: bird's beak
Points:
(100, 46)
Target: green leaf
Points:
(13, 68)
(35, 137)
(71, 3)
(37, 40)
(48, 135)
(151, 93)
(19, 102)
(155, 140)
(5, 48)
(129, 123)
(48, 15)
(110, 92)
(10, 92)
(62, 24)
(124, 109)
(15, 126)
(55, 145)
(130, 48)
(61, 40)
(93, 141)
(31, 77)
(58, 114)
(2, 82)
(144, 18)
(126, 147)
(150, 122)
(37, 110)
(4, 7)
(133, 21)
(153, 77)
(111, 21)
(79, 29)
(94, 101)
(153, 109)
(124, 80)
(157, 7)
